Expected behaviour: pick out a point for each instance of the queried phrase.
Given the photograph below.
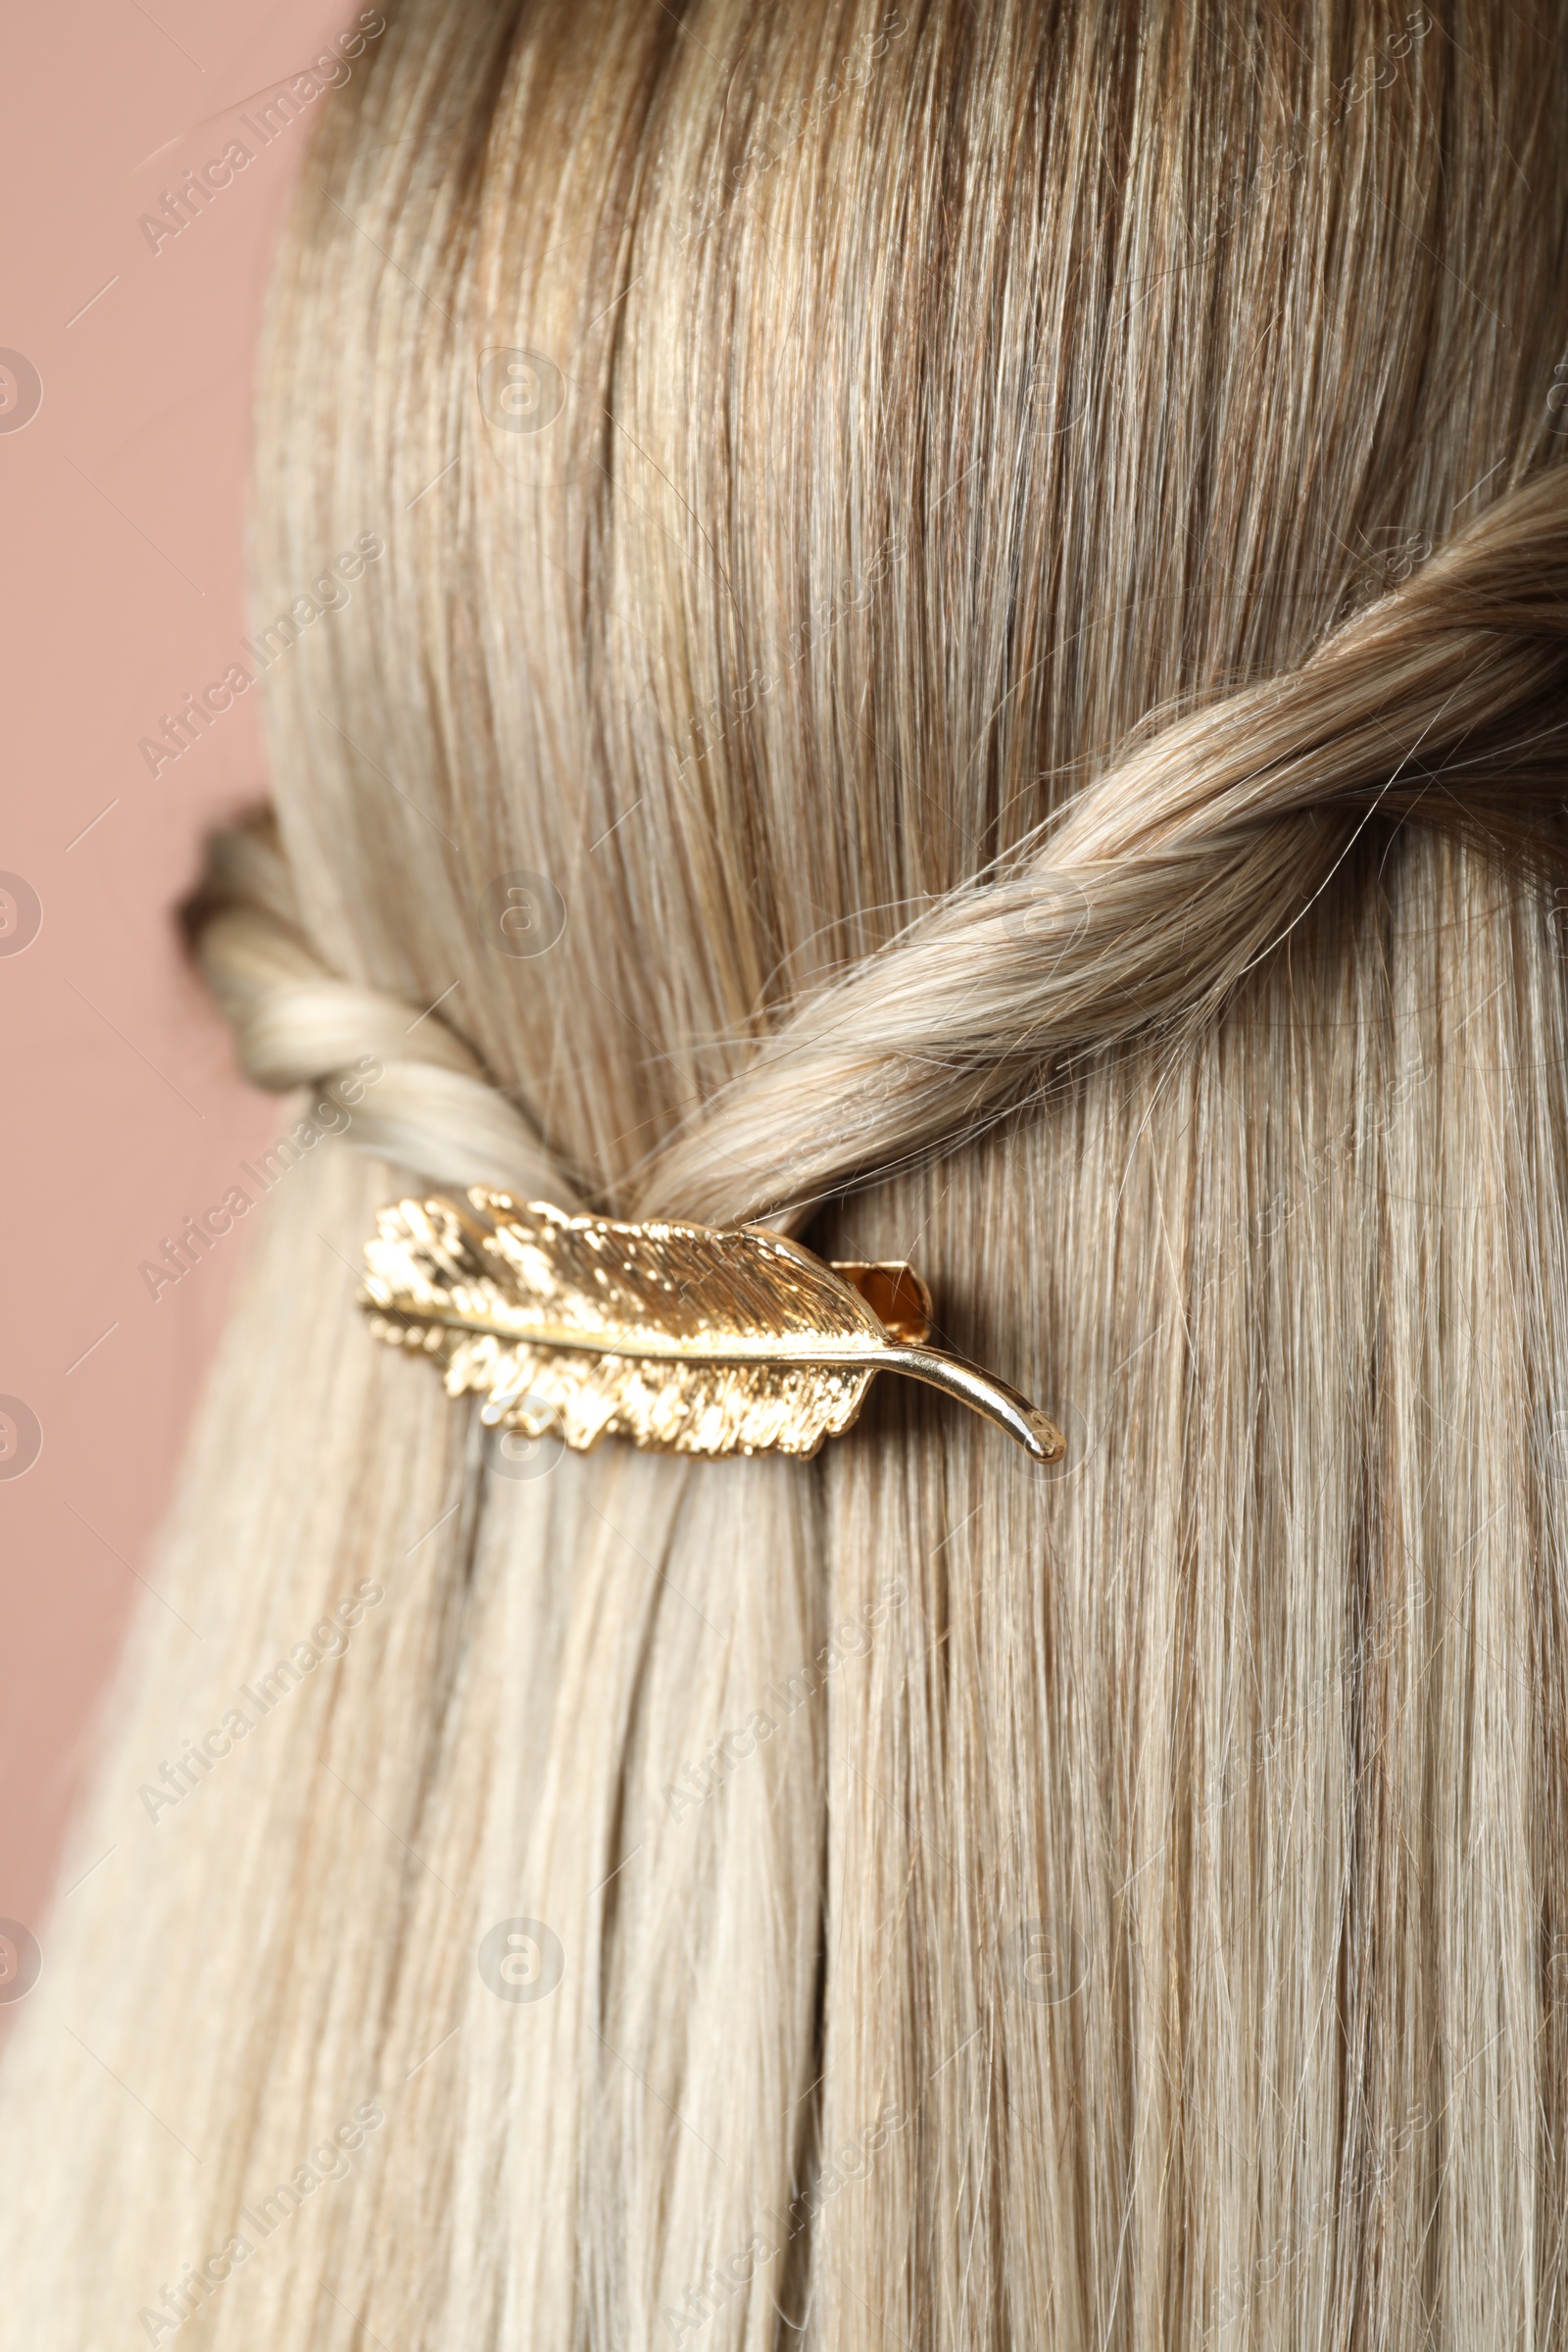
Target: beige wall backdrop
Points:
(127, 327)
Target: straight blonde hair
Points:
(986, 588)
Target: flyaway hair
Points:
(1008, 568)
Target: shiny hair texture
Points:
(989, 585)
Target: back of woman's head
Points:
(951, 634)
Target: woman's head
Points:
(965, 651)
(809, 442)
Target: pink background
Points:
(122, 509)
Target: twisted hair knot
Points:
(1138, 909)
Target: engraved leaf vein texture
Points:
(692, 1338)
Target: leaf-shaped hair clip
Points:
(693, 1339)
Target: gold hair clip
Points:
(691, 1339)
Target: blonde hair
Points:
(1024, 634)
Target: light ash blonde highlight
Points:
(1133, 905)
